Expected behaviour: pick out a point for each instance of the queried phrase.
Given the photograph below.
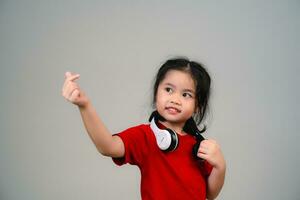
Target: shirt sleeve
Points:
(134, 140)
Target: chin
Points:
(174, 120)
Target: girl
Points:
(163, 149)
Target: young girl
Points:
(163, 149)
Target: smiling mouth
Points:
(173, 110)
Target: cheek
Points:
(159, 96)
(159, 106)
(192, 106)
(157, 99)
(160, 100)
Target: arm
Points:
(215, 182)
(106, 144)
(211, 152)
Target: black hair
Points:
(201, 78)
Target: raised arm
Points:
(106, 144)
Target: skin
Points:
(175, 101)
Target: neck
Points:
(177, 127)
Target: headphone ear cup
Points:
(167, 139)
(174, 140)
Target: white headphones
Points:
(166, 139)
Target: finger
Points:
(67, 88)
(68, 74)
(211, 141)
(71, 90)
(206, 142)
(204, 145)
(74, 77)
(74, 95)
(69, 80)
(202, 155)
(203, 150)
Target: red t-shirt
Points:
(164, 175)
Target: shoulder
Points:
(138, 128)
(141, 130)
(136, 143)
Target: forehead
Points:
(180, 79)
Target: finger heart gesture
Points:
(71, 90)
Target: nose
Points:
(175, 99)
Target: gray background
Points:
(251, 49)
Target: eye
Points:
(187, 95)
(169, 90)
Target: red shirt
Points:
(164, 175)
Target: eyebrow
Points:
(185, 90)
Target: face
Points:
(175, 98)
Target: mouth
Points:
(173, 110)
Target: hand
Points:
(210, 151)
(72, 92)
